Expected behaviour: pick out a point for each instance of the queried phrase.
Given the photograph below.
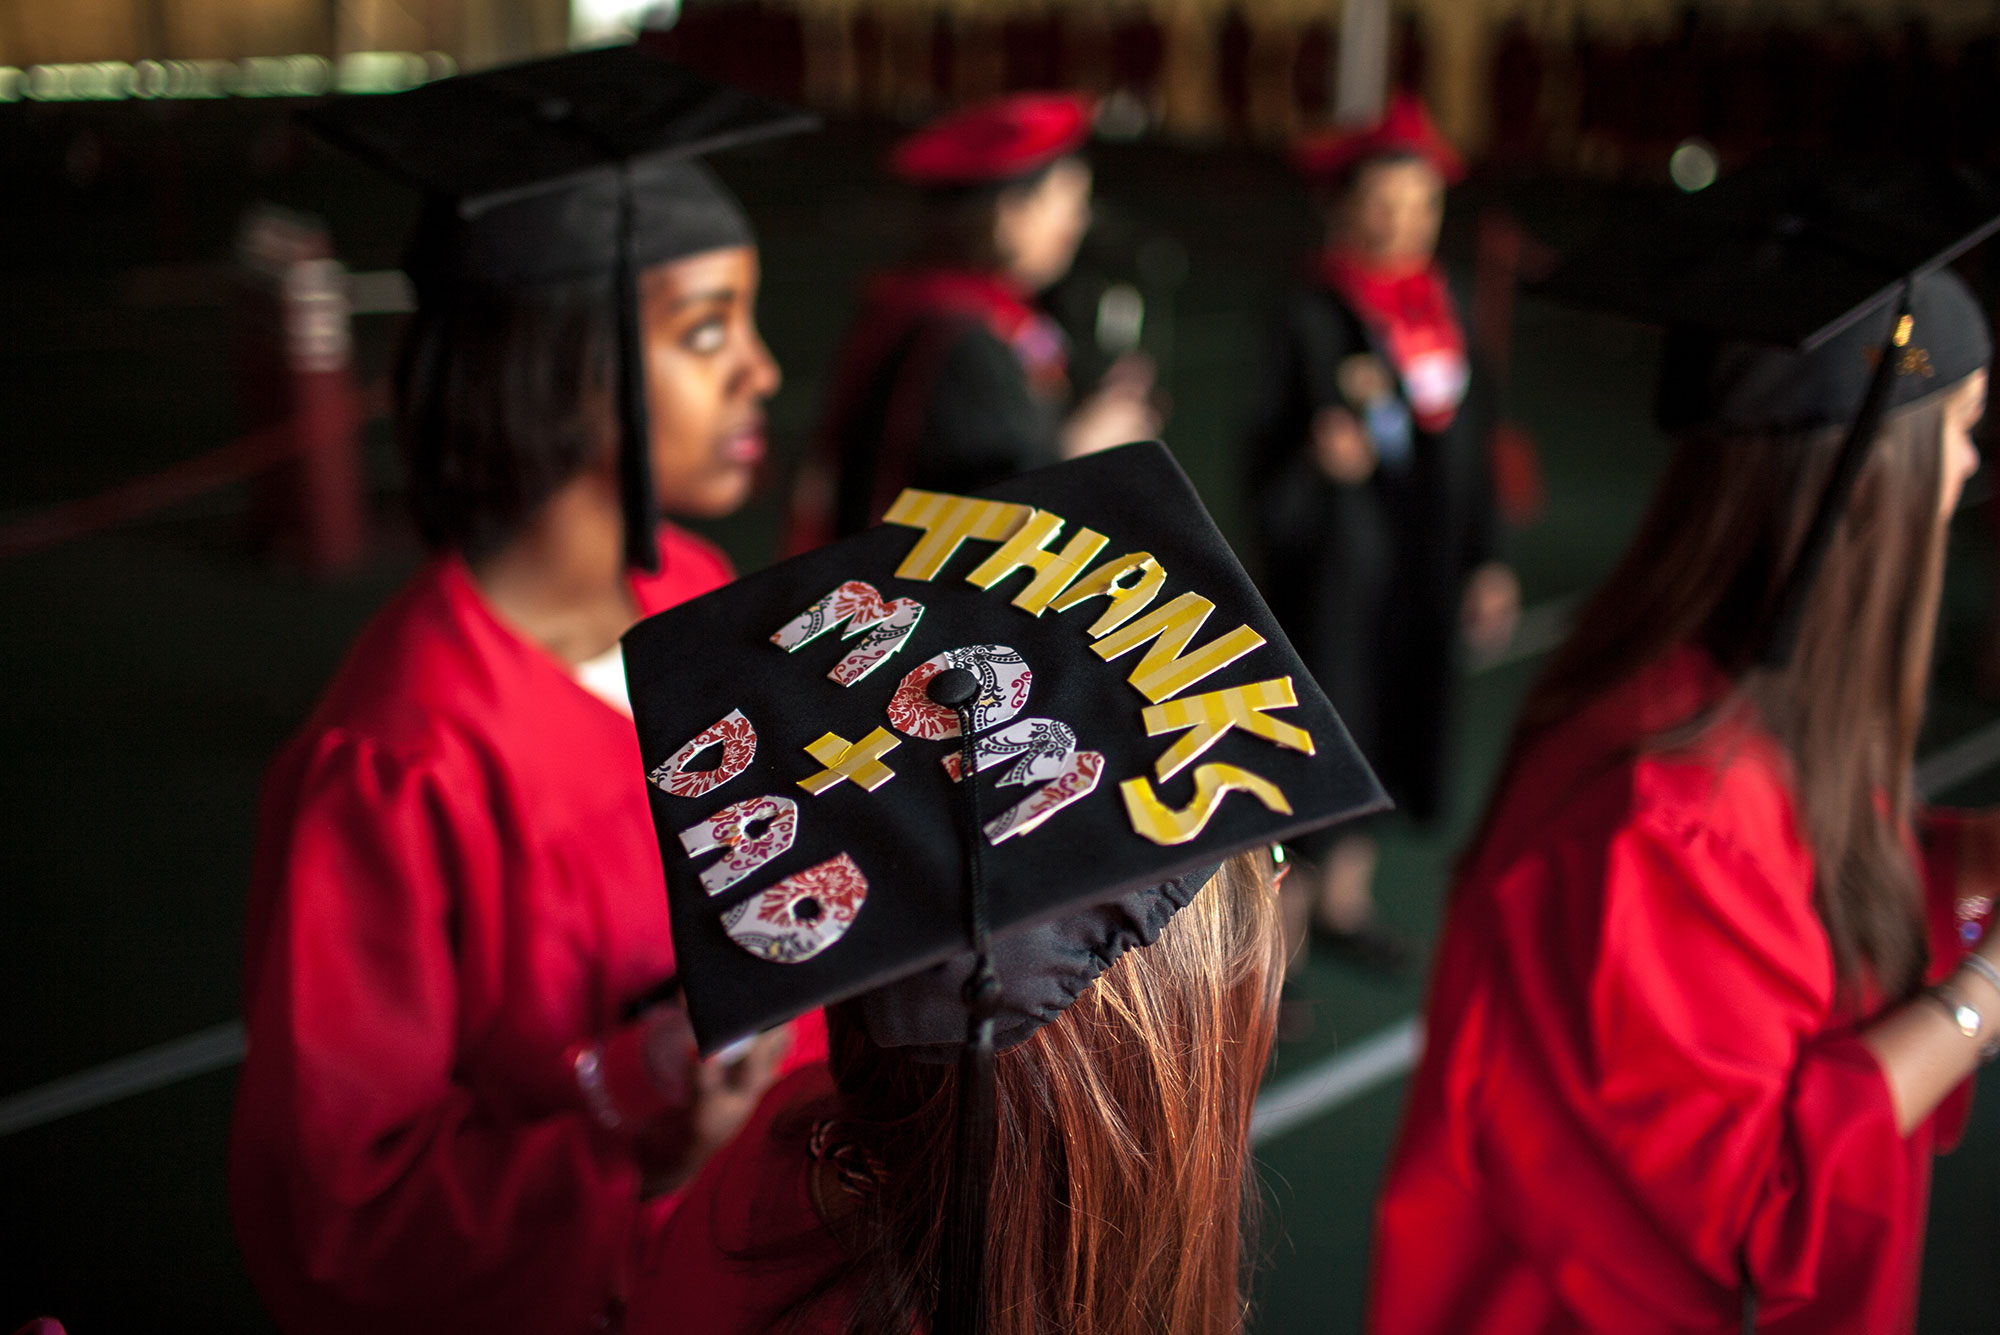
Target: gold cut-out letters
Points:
(1163, 825)
(1210, 716)
(947, 521)
(1027, 550)
(1163, 670)
(1166, 667)
(859, 761)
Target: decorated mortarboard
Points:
(1798, 294)
(995, 142)
(562, 170)
(1404, 130)
(979, 723)
(1139, 715)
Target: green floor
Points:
(152, 670)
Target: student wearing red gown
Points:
(951, 378)
(466, 1103)
(824, 1212)
(1050, 999)
(1711, 981)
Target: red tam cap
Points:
(997, 141)
(1405, 127)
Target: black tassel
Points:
(961, 1299)
(431, 378)
(962, 1274)
(1781, 630)
(635, 464)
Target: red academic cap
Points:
(990, 143)
(1406, 127)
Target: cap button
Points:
(983, 993)
(953, 688)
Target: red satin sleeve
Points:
(372, 1189)
(1653, 1105)
(746, 1253)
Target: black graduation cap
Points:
(1135, 716)
(1799, 293)
(1147, 721)
(565, 169)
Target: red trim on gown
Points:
(456, 880)
(1412, 318)
(1639, 1083)
(893, 303)
(896, 300)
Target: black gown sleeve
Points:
(1480, 504)
(981, 421)
(1313, 336)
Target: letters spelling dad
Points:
(803, 914)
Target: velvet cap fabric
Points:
(526, 168)
(1406, 128)
(994, 142)
(1779, 286)
(793, 762)
(1042, 970)
(1750, 387)
(573, 168)
(678, 209)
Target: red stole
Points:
(893, 303)
(1410, 315)
(895, 300)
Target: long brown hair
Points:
(1122, 1176)
(1722, 529)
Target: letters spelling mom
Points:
(803, 914)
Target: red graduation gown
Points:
(746, 1251)
(457, 885)
(1639, 1086)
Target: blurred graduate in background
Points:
(468, 1096)
(1712, 980)
(952, 378)
(1370, 479)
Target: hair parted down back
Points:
(1122, 1176)
(1723, 529)
(501, 398)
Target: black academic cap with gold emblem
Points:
(1798, 294)
(562, 170)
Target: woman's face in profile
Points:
(1962, 412)
(708, 374)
